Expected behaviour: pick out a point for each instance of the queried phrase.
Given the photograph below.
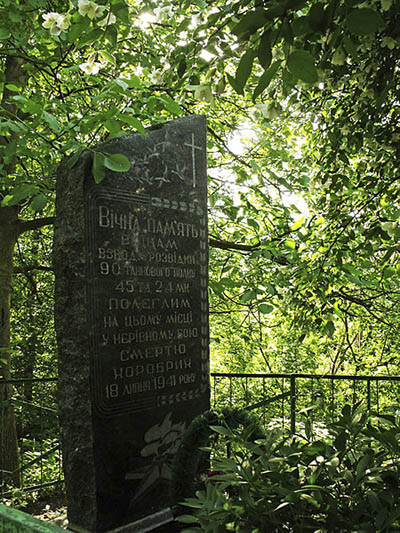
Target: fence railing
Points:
(32, 402)
(285, 399)
(293, 399)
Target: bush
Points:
(347, 482)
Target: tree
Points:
(315, 82)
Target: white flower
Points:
(55, 22)
(202, 92)
(91, 9)
(163, 13)
(91, 66)
(155, 77)
(63, 22)
(107, 20)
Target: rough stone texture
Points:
(130, 258)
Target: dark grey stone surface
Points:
(130, 258)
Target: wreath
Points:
(190, 460)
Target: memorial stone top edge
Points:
(170, 157)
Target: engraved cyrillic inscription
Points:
(148, 282)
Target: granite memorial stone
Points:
(130, 258)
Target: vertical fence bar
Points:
(283, 403)
(1, 429)
(40, 392)
(377, 396)
(292, 404)
(368, 395)
(263, 396)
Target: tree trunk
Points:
(9, 455)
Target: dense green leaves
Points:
(303, 147)
(346, 479)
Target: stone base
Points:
(149, 523)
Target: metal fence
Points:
(34, 406)
(288, 400)
(291, 400)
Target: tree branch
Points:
(27, 268)
(227, 245)
(36, 223)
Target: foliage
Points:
(349, 481)
(191, 459)
(301, 103)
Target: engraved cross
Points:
(194, 148)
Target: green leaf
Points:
(117, 162)
(247, 296)
(4, 33)
(296, 225)
(222, 430)
(186, 519)
(112, 125)
(250, 22)
(90, 37)
(265, 308)
(98, 169)
(72, 161)
(300, 26)
(132, 121)
(350, 47)
(276, 11)
(51, 121)
(301, 64)
(244, 70)
(233, 83)
(171, 106)
(264, 52)
(121, 11)
(364, 21)
(109, 57)
(134, 82)
(266, 79)
(112, 35)
(12, 87)
(38, 202)
(316, 16)
(18, 194)
(290, 243)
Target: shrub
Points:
(348, 481)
